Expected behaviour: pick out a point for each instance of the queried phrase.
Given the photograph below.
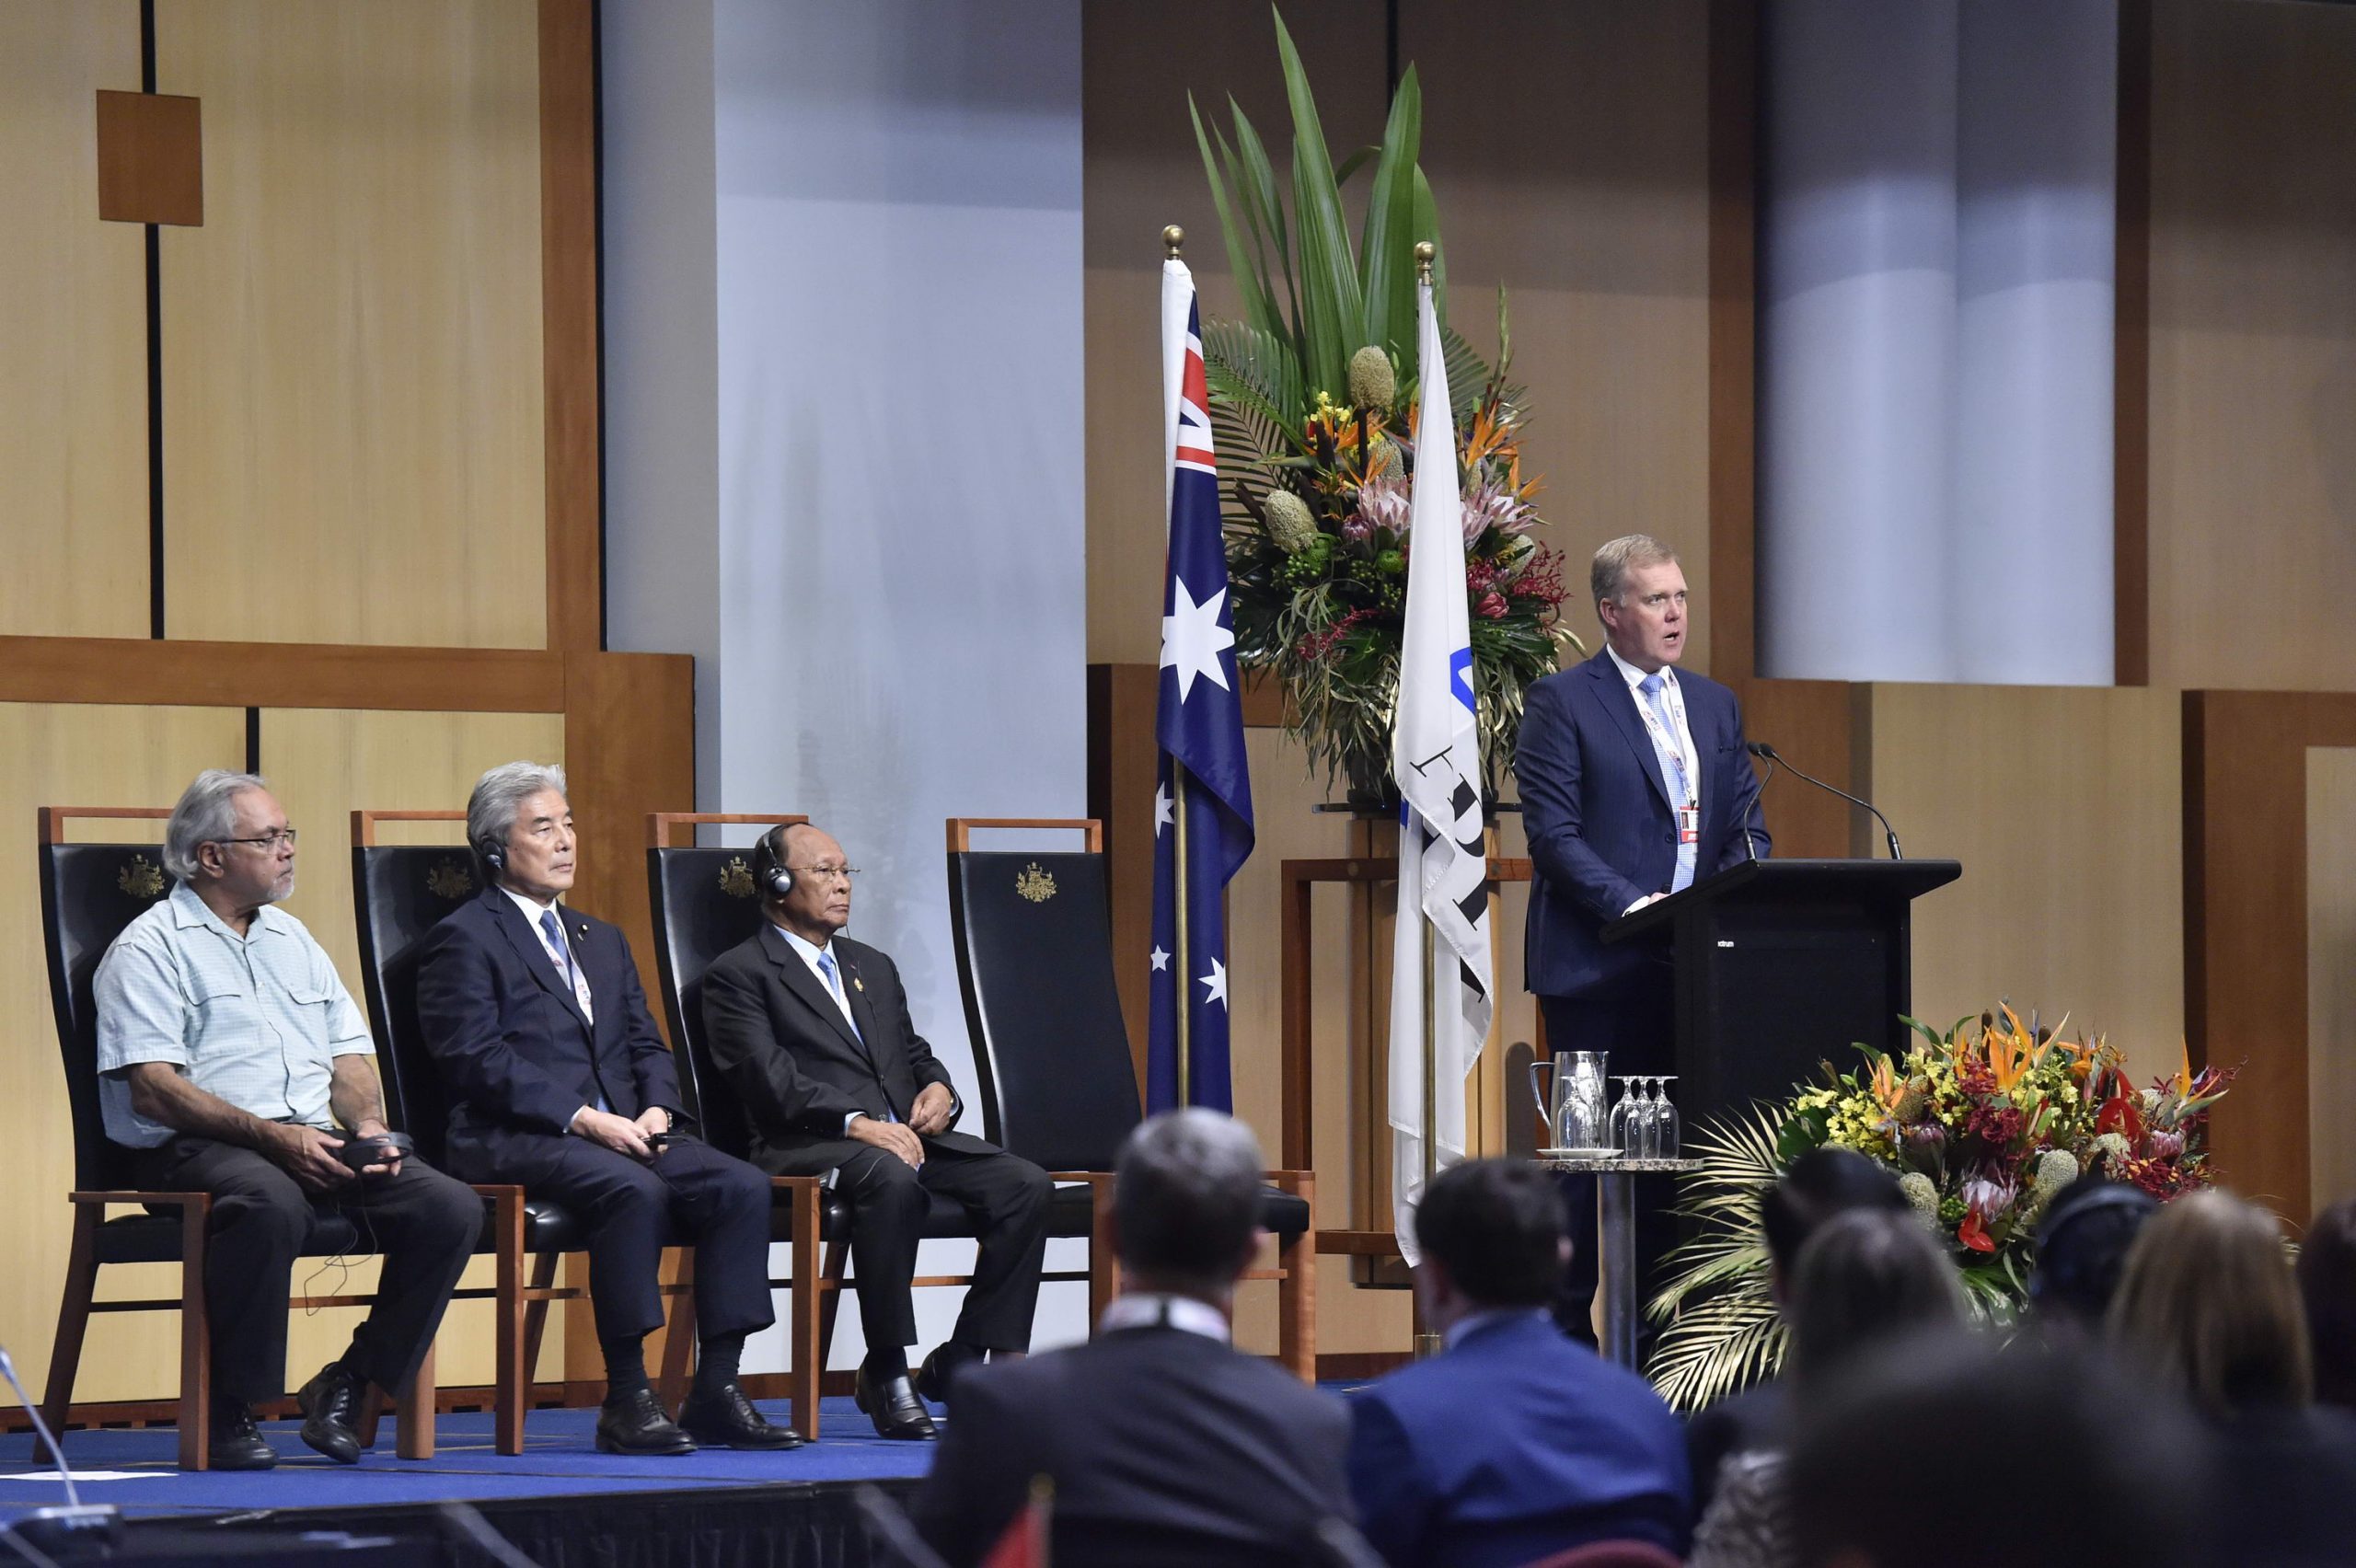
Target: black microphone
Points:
(1762, 749)
(55, 1529)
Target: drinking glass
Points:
(1640, 1121)
(1616, 1135)
(1672, 1131)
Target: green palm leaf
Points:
(1721, 1331)
(1249, 276)
(1386, 255)
(1333, 309)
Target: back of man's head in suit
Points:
(1497, 1227)
(1187, 1203)
(1816, 1187)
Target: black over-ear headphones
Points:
(769, 869)
(494, 855)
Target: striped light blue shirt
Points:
(257, 1019)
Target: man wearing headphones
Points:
(558, 1082)
(812, 1030)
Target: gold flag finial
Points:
(1424, 251)
(1173, 239)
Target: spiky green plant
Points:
(1721, 1332)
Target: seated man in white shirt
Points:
(232, 1058)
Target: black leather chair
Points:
(401, 891)
(1034, 935)
(88, 893)
(705, 903)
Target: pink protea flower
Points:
(1492, 605)
(1490, 505)
(1382, 504)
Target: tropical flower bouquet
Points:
(1313, 406)
(1983, 1125)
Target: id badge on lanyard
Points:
(1689, 815)
(1689, 825)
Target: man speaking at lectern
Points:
(1635, 784)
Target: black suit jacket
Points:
(1160, 1444)
(798, 1070)
(509, 1035)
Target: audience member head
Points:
(1187, 1203)
(1867, 1276)
(1492, 1235)
(521, 827)
(229, 841)
(2082, 1243)
(1891, 1468)
(1819, 1184)
(2208, 1306)
(816, 901)
(2328, 1285)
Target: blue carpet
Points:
(559, 1458)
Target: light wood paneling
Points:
(354, 377)
(73, 314)
(53, 754)
(266, 674)
(1568, 150)
(2252, 304)
(2331, 973)
(2064, 805)
(323, 764)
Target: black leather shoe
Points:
(635, 1423)
(728, 1420)
(330, 1404)
(941, 1371)
(236, 1444)
(894, 1408)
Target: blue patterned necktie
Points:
(835, 984)
(1673, 754)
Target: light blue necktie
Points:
(835, 984)
(561, 955)
(1673, 766)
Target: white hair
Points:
(207, 813)
(500, 793)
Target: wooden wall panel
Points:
(2331, 973)
(1568, 150)
(2252, 370)
(1140, 171)
(354, 380)
(73, 314)
(53, 754)
(2063, 806)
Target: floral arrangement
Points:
(1314, 409)
(1983, 1125)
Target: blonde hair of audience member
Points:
(2208, 1305)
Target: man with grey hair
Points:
(232, 1060)
(559, 1082)
(1636, 782)
(1162, 1443)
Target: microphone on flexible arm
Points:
(52, 1528)
(1762, 749)
(1764, 755)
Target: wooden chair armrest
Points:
(178, 1200)
(1288, 1180)
(792, 1183)
(1093, 1178)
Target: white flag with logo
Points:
(1443, 851)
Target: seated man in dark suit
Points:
(812, 1030)
(1163, 1445)
(1517, 1442)
(559, 1083)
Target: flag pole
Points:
(1174, 240)
(1427, 1344)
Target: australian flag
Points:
(1202, 810)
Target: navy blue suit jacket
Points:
(1602, 830)
(515, 1053)
(1513, 1445)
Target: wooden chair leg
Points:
(679, 1342)
(808, 1356)
(73, 1320)
(413, 1429)
(830, 1305)
(196, 1343)
(1104, 1259)
(516, 1343)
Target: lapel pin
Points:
(858, 985)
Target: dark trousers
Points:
(422, 1222)
(1634, 1022)
(689, 1194)
(1007, 1196)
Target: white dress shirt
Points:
(1682, 736)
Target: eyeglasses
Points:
(825, 873)
(269, 841)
